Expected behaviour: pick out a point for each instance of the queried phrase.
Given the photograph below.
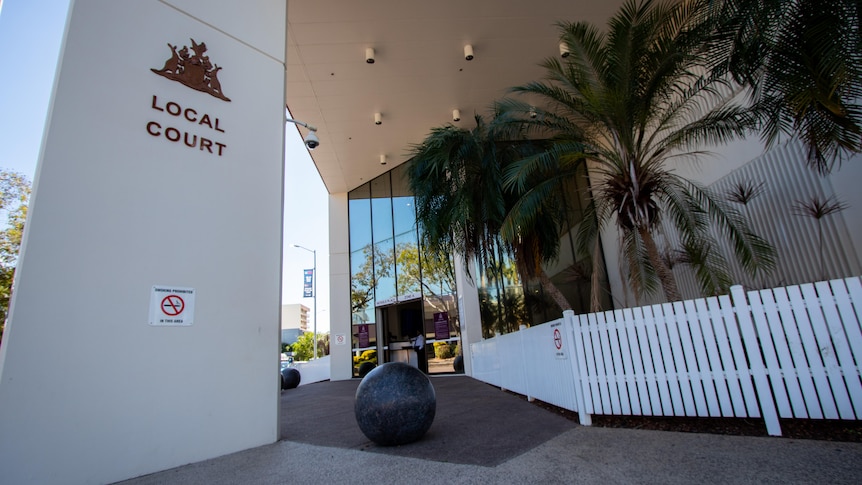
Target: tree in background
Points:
(303, 347)
(802, 60)
(14, 196)
(627, 101)
(456, 177)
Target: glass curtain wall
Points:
(506, 302)
(362, 279)
(396, 291)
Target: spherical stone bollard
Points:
(365, 368)
(395, 404)
(458, 364)
(290, 378)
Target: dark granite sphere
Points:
(395, 404)
(458, 364)
(290, 378)
(365, 368)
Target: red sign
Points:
(173, 305)
(558, 339)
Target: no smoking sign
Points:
(557, 337)
(172, 306)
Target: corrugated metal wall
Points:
(775, 215)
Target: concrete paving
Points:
(474, 417)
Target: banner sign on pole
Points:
(307, 281)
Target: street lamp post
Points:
(314, 295)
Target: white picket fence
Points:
(793, 352)
(316, 370)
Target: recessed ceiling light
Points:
(468, 52)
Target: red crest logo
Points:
(193, 69)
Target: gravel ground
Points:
(812, 429)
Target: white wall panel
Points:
(90, 392)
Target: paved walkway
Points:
(483, 435)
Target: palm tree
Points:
(817, 209)
(627, 102)
(802, 59)
(456, 176)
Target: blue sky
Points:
(30, 37)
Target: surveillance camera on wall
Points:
(311, 140)
(369, 55)
(468, 52)
(456, 115)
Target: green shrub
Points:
(367, 356)
(442, 350)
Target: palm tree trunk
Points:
(665, 275)
(552, 290)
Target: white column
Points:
(339, 289)
(468, 310)
(145, 182)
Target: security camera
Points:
(468, 52)
(311, 140)
(369, 55)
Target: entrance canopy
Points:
(419, 74)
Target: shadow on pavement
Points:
(475, 423)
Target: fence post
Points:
(758, 369)
(573, 341)
(524, 361)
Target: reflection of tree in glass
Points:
(438, 285)
(433, 274)
(502, 296)
(503, 312)
(504, 271)
(407, 262)
(363, 282)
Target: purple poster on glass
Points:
(363, 335)
(441, 326)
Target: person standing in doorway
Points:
(419, 346)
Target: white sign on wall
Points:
(172, 306)
(340, 339)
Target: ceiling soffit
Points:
(419, 75)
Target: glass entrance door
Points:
(403, 326)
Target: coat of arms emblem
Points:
(193, 69)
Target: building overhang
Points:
(419, 75)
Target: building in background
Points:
(294, 322)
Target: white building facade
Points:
(167, 123)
